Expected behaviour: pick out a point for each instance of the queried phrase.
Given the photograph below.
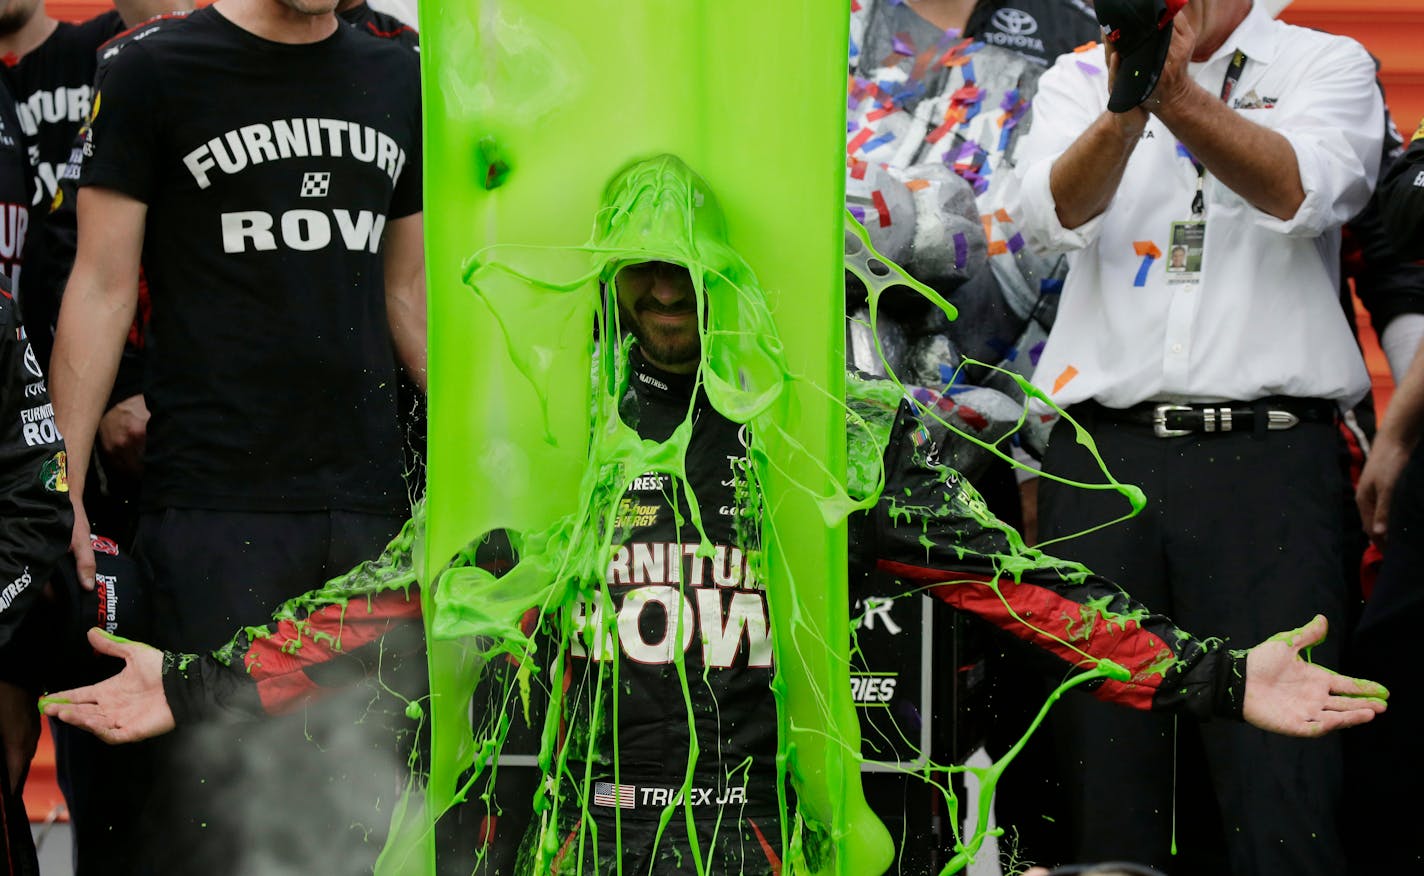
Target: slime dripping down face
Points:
(657, 303)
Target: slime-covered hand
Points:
(124, 708)
(1285, 694)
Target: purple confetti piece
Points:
(1036, 352)
(858, 212)
(851, 127)
(902, 45)
(966, 149)
(947, 39)
(961, 249)
(1016, 242)
(1010, 98)
(1090, 69)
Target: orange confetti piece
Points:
(1087, 47)
(917, 185)
(998, 247)
(1002, 215)
(1063, 379)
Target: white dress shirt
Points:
(1264, 317)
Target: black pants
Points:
(17, 846)
(1384, 763)
(737, 844)
(307, 792)
(1241, 538)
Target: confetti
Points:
(1150, 253)
(881, 207)
(938, 133)
(961, 250)
(871, 145)
(972, 418)
(859, 140)
(1063, 379)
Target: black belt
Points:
(1171, 420)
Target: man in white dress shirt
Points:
(1212, 380)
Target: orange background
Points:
(1393, 30)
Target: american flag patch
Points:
(609, 794)
(920, 436)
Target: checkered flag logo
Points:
(315, 185)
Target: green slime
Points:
(528, 106)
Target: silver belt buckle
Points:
(1276, 420)
(1159, 421)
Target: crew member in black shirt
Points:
(265, 162)
(34, 513)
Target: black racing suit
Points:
(34, 485)
(930, 530)
(1401, 200)
(35, 524)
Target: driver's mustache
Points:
(685, 305)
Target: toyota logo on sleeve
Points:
(1015, 22)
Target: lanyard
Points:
(1228, 85)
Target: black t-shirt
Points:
(15, 181)
(53, 85)
(270, 171)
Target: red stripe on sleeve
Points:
(1125, 642)
(276, 662)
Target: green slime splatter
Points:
(528, 106)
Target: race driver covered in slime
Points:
(660, 671)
